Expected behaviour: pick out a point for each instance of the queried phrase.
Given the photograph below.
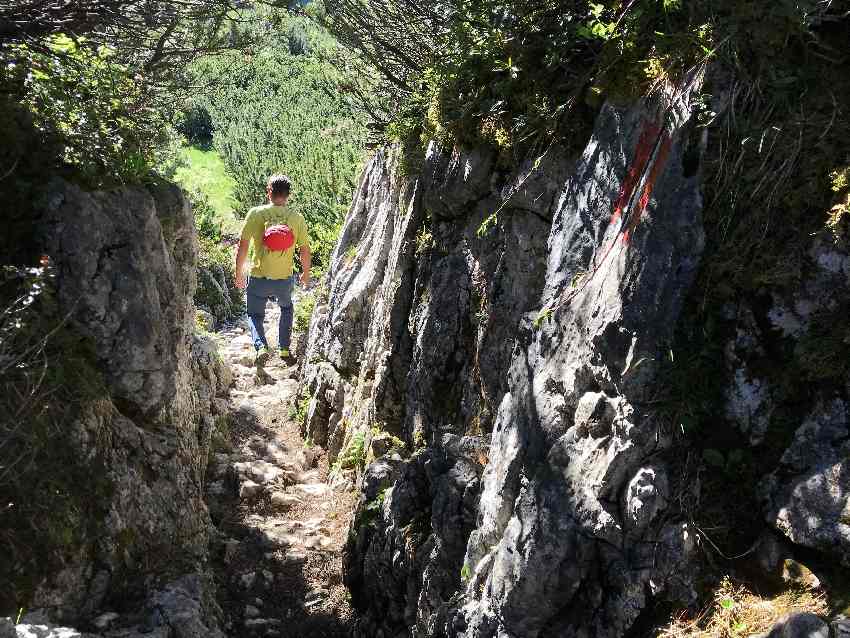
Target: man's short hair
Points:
(279, 185)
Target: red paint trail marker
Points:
(655, 171)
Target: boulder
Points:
(802, 625)
(808, 496)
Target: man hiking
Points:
(274, 232)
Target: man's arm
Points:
(305, 265)
(241, 255)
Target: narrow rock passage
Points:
(281, 525)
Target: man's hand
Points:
(305, 265)
(241, 274)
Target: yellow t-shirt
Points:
(267, 263)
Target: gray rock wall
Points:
(518, 358)
(571, 536)
(125, 276)
(786, 390)
(512, 358)
(415, 340)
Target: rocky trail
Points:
(278, 557)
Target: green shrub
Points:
(303, 312)
(95, 105)
(68, 118)
(353, 456)
(517, 74)
(323, 238)
(394, 441)
(195, 124)
(369, 514)
(217, 292)
(286, 112)
(206, 219)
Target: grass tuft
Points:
(736, 612)
(203, 172)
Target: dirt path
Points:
(278, 559)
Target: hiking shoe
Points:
(262, 357)
(287, 357)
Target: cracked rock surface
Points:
(511, 359)
(125, 275)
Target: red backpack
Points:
(278, 238)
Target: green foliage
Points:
(542, 316)
(509, 73)
(378, 503)
(96, 108)
(369, 514)
(488, 71)
(284, 112)
(216, 292)
(838, 220)
(323, 238)
(419, 441)
(206, 220)
(195, 124)
(353, 456)
(394, 441)
(80, 116)
(200, 325)
(202, 174)
(424, 240)
(298, 413)
(303, 312)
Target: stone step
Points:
(312, 489)
(283, 502)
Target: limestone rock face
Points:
(125, 273)
(571, 493)
(801, 324)
(411, 539)
(414, 341)
(126, 266)
(513, 354)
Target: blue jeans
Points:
(258, 292)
